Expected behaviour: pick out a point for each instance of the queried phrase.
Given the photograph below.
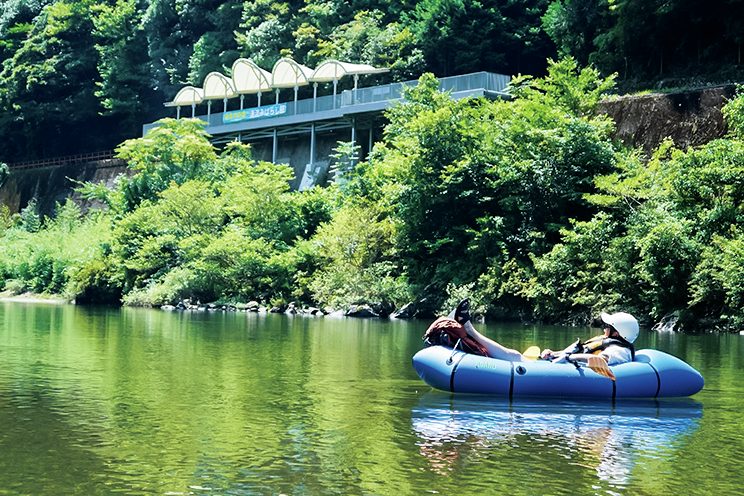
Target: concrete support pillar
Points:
(275, 147)
(242, 98)
(259, 98)
(277, 96)
(312, 144)
(178, 112)
(193, 110)
(335, 85)
(353, 139)
(315, 96)
(295, 99)
(209, 110)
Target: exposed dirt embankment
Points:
(690, 117)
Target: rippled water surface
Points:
(135, 401)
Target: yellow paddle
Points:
(532, 353)
(599, 365)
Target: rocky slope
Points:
(690, 118)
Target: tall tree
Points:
(48, 101)
(574, 25)
(650, 39)
(460, 36)
(266, 30)
(367, 39)
(18, 11)
(124, 87)
(217, 48)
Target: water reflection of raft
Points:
(611, 437)
(446, 418)
(652, 374)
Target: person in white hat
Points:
(615, 345)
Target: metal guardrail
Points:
(66, 160)
(346, 99)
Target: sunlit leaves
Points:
(675, 243)
(576, 89)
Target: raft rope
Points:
(449, 360)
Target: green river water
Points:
(138, 401)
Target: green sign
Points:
(254, 113)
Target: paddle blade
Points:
(532, 353)
(599, 365)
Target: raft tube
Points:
(653, 374)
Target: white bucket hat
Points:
(625, 324)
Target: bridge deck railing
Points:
(66, 160)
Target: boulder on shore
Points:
(669, 323)
(407, 311)
(362, 311)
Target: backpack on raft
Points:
(448, 332)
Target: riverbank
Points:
(667, 325)
(359, 311)
(33, 298)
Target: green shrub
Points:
(733, 111)
(378, 284)
(235, 266)
(174, 286)
(717, 285)
(572, 277)
(98, 280)
(43, 259)
(30, 218)
(15, 286)
(356, 250)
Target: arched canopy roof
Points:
(248, 78)
(287, 74)
(187, 96)
(217, 87)
(333, 70)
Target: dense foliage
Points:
(651, 40)
(527, 206)
(82, 75)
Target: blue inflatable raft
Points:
(653, 374)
